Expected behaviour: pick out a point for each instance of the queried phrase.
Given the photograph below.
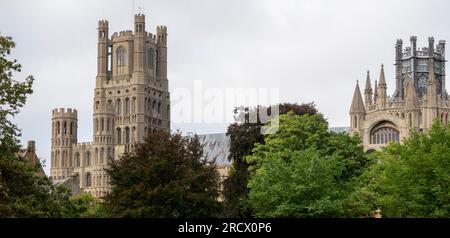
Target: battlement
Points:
(151, 37)
(139, 18)
(103, 24)
(62, 112)
(161, 30)
(122, 35)
(437, 50)
(83, 145)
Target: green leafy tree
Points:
(243, 136)
(22, 192)
(165, 177)
(86, 206)
(303, 170)
(411, 179)
(13, 96)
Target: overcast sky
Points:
(308, 50)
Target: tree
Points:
(22, 192)
(13, 95)
(85, 205)
(410, 179)
(165, 177)
(243, 136)
(303, 170)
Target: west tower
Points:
(131, 99)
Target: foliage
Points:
(86, 206)
(24, 194)
(12, 96)
(410, 179)
(303, 170)
(243, 136)
(165, 177)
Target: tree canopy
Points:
(165, 177)
(244, 135)
(303, 170)
(411, 179)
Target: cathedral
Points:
(131, 99)
(419, 97)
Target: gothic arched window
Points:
(102, 155)
(77, 160)
(119, 136)
(127, 106)
(88, 159)
(65, 128)
(422, 85)
(120, 56)
(118, 107)
(383, 133)
(150, 56)
(88, 179)
(127, 135)
(133, 105)
(96, 156)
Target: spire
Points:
(368, 86)
(375, 94)
(382, 78)
(382, 97)
(412, 103)
(368, 91)
(357, 102)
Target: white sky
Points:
(311, 50)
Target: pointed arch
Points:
(121, 56)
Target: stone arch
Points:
(384, 132)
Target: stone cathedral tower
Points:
(419, 97)
(131, 99)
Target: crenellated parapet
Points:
(83, 146)
(63, 113)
